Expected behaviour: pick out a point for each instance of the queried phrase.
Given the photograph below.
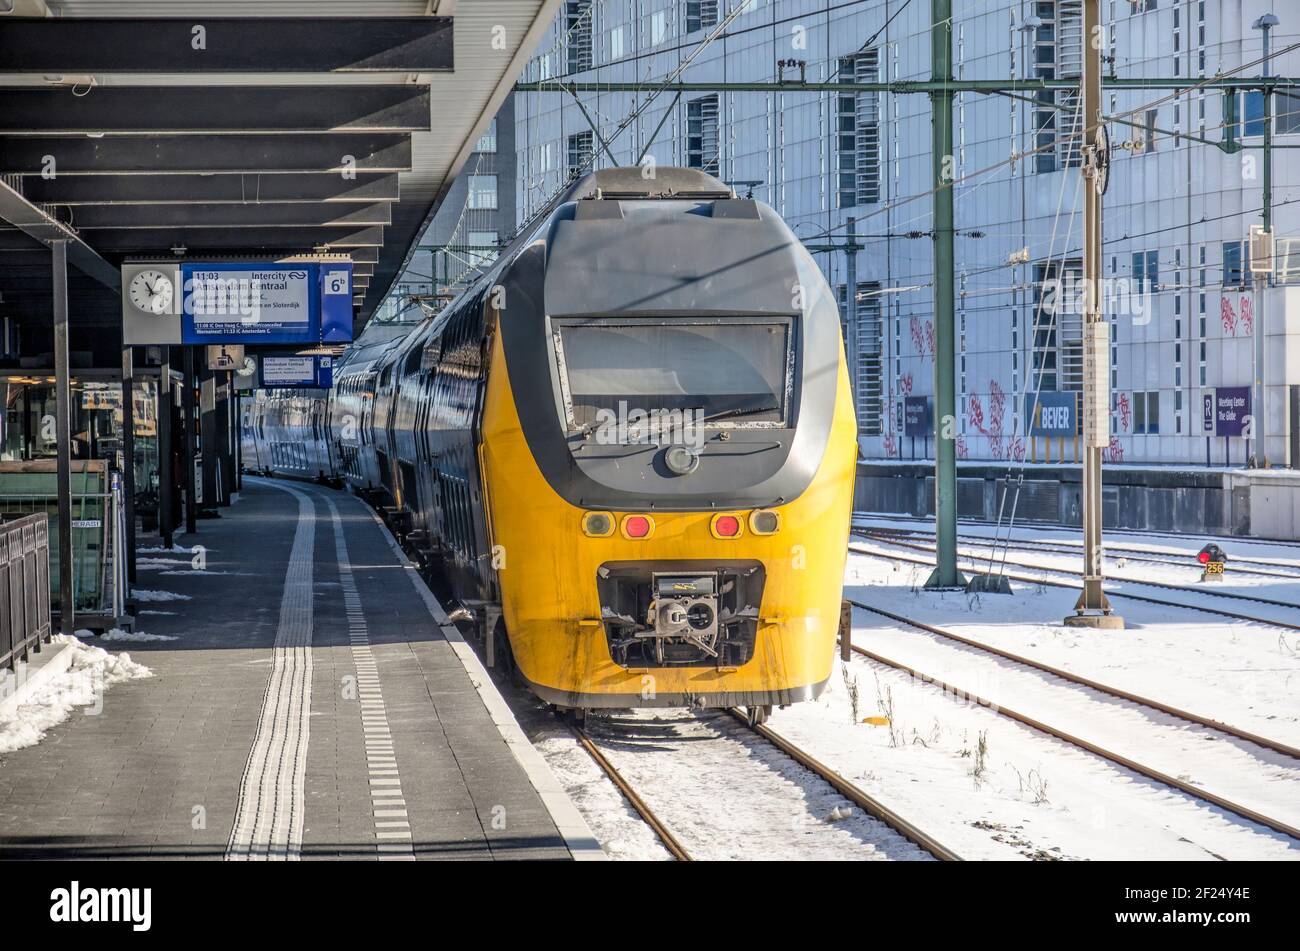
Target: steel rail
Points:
(1167, 585)
(670, 841)
(1139, 532)
(1028, 579)
(1275, 745)
(1240, 566)
(1119, 759)
(867, 803)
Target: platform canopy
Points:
(261, 128)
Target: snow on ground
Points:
(152, 564)
(989, 788)
(1177, 565)
(1247, 551)
(727, 794)
(201, 571)
(1244, 674)
(92, 671)
(117, 634)
(1244, 773)
(615, 824)
(160, 550)
(723, 791)
(145, 595)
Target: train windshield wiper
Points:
(741, 411)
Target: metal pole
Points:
(1093, 608)
(166, 472)
(1261, 279)
(238, 427)
(63, 433)
(187, 407)
(851, 306)
(945, 573)
(128, 457)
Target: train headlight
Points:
(598, 524)
(727, 526)
(638, 526)
(764, 522)
(681, 460)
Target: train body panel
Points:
(634, 437)
(549, 579)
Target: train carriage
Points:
(629, 448)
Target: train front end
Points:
(669, 453)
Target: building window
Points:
(487, 142)
(857, 132)
(702, 140)
(701, 15)
(1148, 132)
(1058, 54)
(577, 26)
(1251, 110)
(1286, 109)
(658, 27)
(1236, 263)
(868, 379)
(1286, 257)
(1058, 326)
(581, 153)
(481, 247)
(482, 192)
(1146, 413)
(1146, 271)
(616, 49)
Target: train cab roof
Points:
(666, 182)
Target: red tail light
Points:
(637, 526)
(726, 526)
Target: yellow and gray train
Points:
(628, 448)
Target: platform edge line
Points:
(578, 837)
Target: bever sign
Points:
(1055, 416)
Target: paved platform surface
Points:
(309, 707)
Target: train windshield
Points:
(724, 372)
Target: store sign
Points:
(1207, 413)
(237, 303)
(296, 372)
(918, 417)
(1053, 415)
(1231, 410)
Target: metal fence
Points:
(98, 548)
(24, 587)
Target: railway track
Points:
(670, 841)
(973, 564)
(864, 801)
(1119, 759)
(1110, 532)
(1217, 725)
(1239, 566)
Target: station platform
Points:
(314, 703)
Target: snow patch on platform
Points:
(92, 671)
(117, 634)
(144, 595)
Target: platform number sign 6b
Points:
(336, 283)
